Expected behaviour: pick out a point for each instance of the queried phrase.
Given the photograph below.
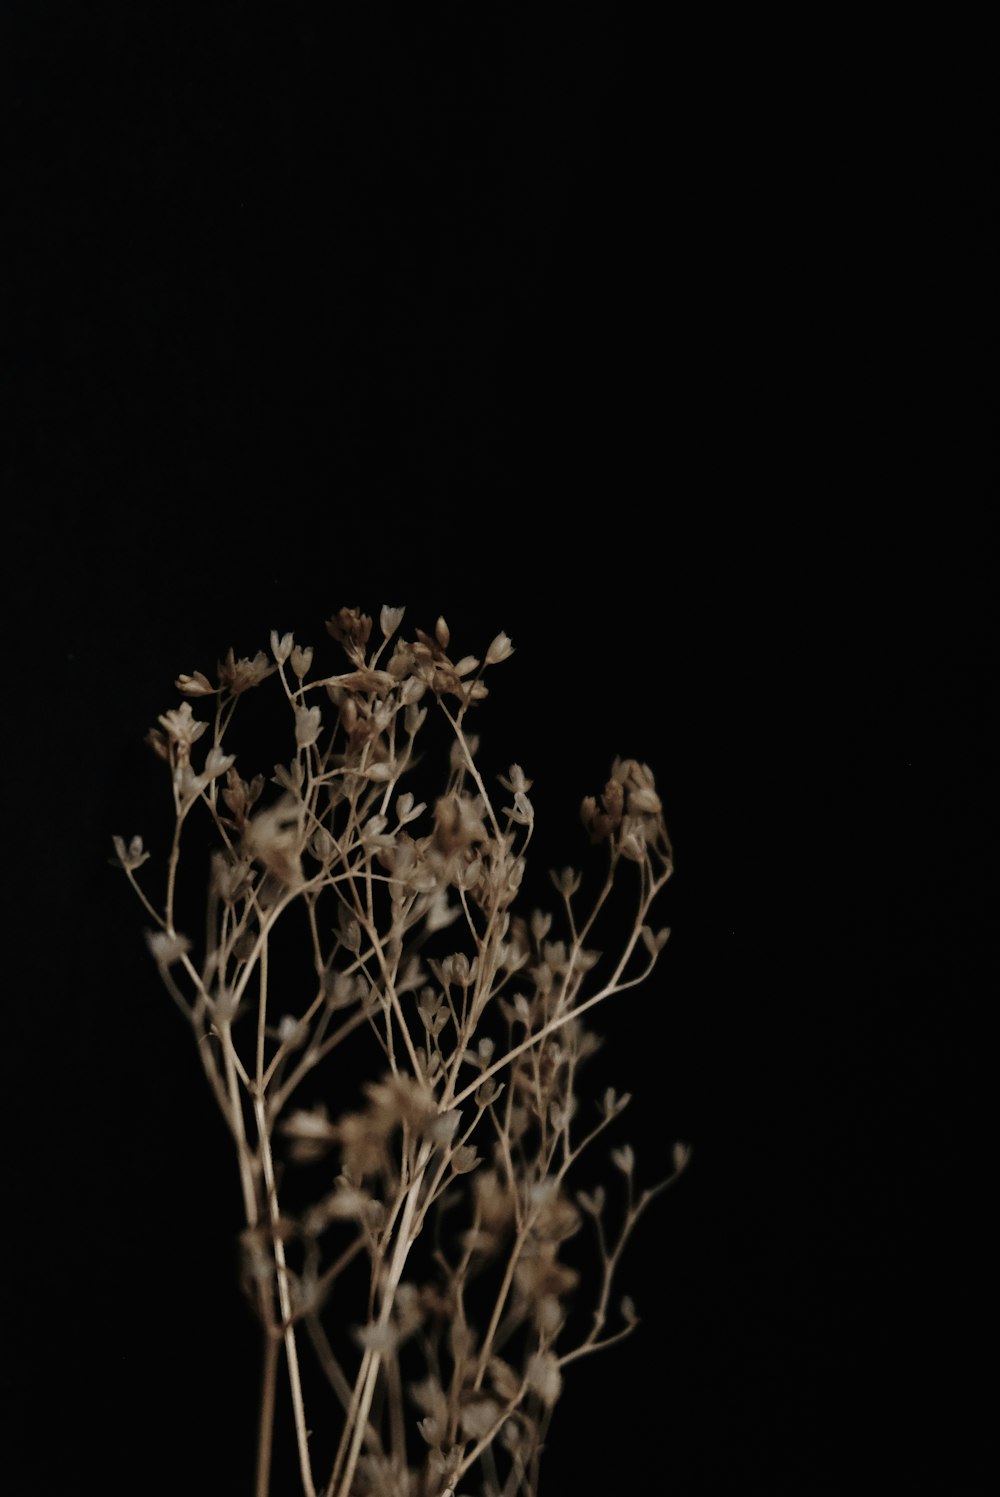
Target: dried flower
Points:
(167, 946)
(352, 629)
(478, 1418)
(328, 899)
(281, 648)
(592, 1202)
(130, 857)
(614, 1104)
(390, 619)
(237, 676)
(181, 727)
(301, 660)
(515, 780)
(500, 649)
(196, 685)
(464, 1159)
(623, 1159)
(544, 1377)
(308, 721)
(566, 882)
(217, 763)
(378, 1338)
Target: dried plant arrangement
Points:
(397, 1053)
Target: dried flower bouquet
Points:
(445, 1204)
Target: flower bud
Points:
(301, 660)
(281, 648)
(500, 649)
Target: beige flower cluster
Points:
(469, 1015)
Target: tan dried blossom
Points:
(522, 811)
(464, 1160)
(545, 1377)
(458, 823)
(308, 722)
(515, 780)
(129, 857)
(281, 647)
(300, 660)
(613, 1104)
(196, 685)
(237, 676)
(352, 629)
(231, 877)
(478, 1417)
(495, 1201)
(275, 838)
(381, 1338)
(167, 947)
(623, 1159)
(241, 797)
(401, 1099)
(311, 1134)
(540, 1273)
(566, 882)
(592, 1201)
(217, 763)
(181, 728)
(390, 619)
(500, 649)
(367, 682)
(654, 942)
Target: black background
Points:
(663, 353)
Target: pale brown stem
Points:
(284, 1299)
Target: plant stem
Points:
(265, 1437)
(284, 1299)
(392, 1281)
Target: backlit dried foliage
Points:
(448, 1193)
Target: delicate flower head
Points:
(351, 628)
(196, 685)
(515, 780)
(301, 660)
(464, 1159)
(281, 647)
(544, 1377)
(181, 727)
(308, 722)
(390, 619)
(500, 649)
(237, 676)
(567, 882)
(624, 1159)
(217, 763)
(167, 946)
(130, 857)
(377, 1338)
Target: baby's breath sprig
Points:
(466, 1135)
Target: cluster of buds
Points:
(629, 813)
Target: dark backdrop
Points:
(621, 342)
